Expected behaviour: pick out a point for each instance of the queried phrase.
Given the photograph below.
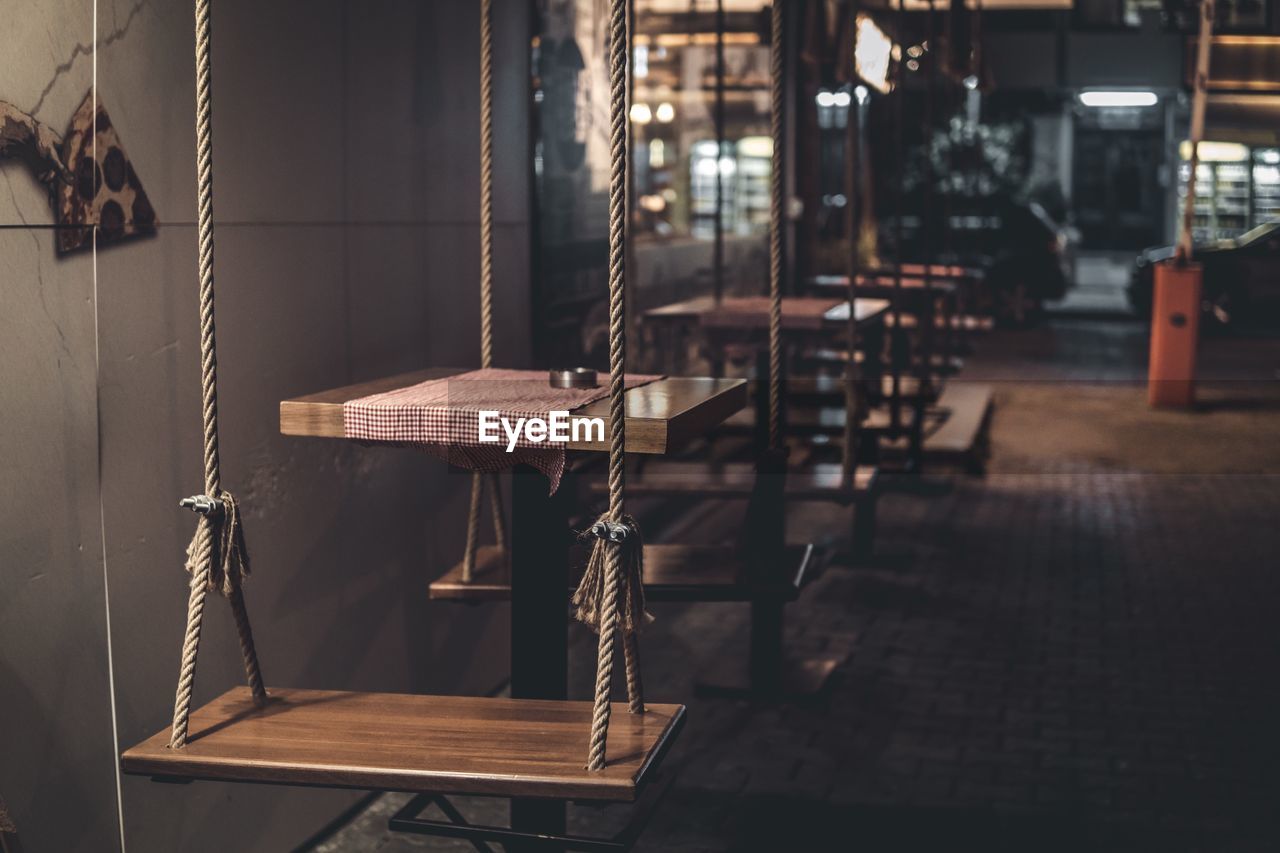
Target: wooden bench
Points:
(962, 435)
(671, 573)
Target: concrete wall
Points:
(56, 753)
(345, 163)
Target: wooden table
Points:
(659, 417)
(883, 286)
(951, 271)
(795, 316)
(808, 315)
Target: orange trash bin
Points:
(1175, 326)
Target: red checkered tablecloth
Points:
(442, 416)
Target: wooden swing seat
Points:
(671, 573)
(958, 322)
(404, 742)
(823, 481)
(883, 286)
(968, 407)
(824, 420)
(832, 388)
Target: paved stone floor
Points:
(1078, 652)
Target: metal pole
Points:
(1200, 86)
(539, 625)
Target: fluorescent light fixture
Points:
(1119, 99)
(1216, 152)
(657, 153)
(755, 146)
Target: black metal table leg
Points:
(539, 618)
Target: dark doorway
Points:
(1118, 198)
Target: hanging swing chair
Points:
(940, 422)
(850, 481)
(520, 748)
(671, 572)
(760, 567)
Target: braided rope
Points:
(206, 541)
(717, 265)
(895, 364)
(776, 214)
(928, 332)
(191, 644)
(204, 186)
(473, 528)
(852, 374)
(631, 659)
(486, 183)
(618, 47)
(486, 285)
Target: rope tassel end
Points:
(591, 598)
(218, 543)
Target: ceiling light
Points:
(1119, 99)
(1216, 152)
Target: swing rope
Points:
(216, 557)
(610, 598)
(776, 214)
(486, 290)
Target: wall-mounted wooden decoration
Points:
(104, 189)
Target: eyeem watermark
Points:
(557, 428)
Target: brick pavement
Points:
(1070, 654)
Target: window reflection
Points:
(700, 157)
(682, 177)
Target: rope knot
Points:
(217, 551)
(621, 541)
